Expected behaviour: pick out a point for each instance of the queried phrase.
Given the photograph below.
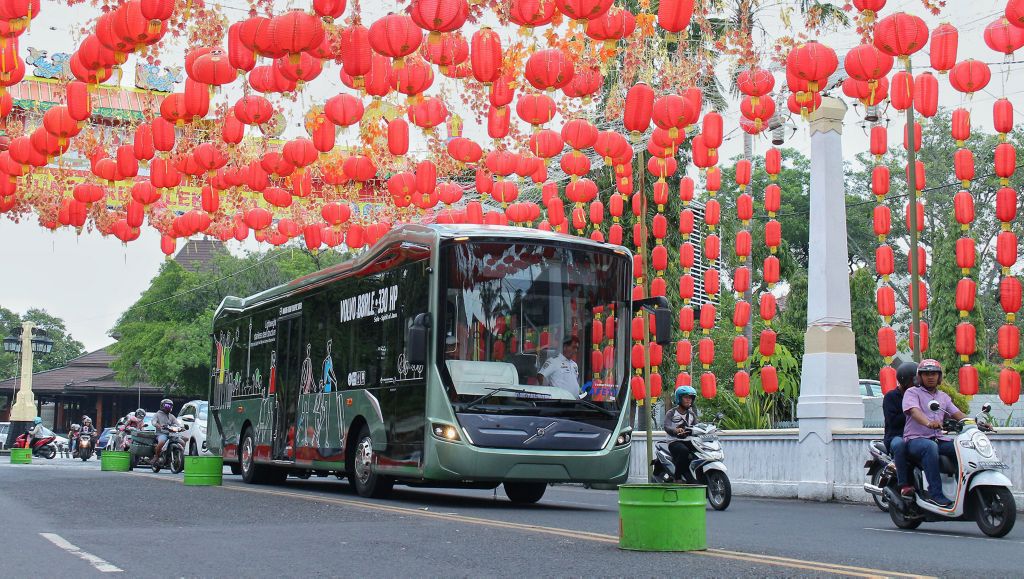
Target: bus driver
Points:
(561, 371)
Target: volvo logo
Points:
(541, 432)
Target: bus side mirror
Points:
(416, 340)
(663, 325)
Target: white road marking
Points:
(101, 565)
(946, 535)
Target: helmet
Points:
(37, 420)
(905, 374)
(140, 413)
(677, 396)
(929, 365)
(166, 405)
(86, 420)
(75, 428)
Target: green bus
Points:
(445, 355)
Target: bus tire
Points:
(253, 473)
(523, 493)
(367, 482)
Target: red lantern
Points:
(886, 341)
(1006, 248)
(1005, 161)
(966, 290)
(1002, 36)
(963, 208)
(926, 96)
(1009, 341)
(771, 270)
(963, 166)
(813, 62)
(882, 221)
(1006, 197)
(1002, 114)
(767, 343)
(884, 260)
(437, 16)
(967, 378)
(885, 299)
(674, 16)
(395, 36)
(965, 253)
(1009, 386)
(924, 336)
(1010, 295)
(709, 385)
(887, 377)
(638, 109)
(966, 340)
(769, 379)
(900, 34)
(867, 63)
(549, 69)
(970, 76)
(901, 90)
(943, 48)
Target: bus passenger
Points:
(561, 371)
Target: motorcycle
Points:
(173, 452)
(707, 467)
(83, 447)
(881, 469)
(973, 482)
(43, 446)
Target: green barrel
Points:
(662, 517)
(116, 461)
(204, 471)
(21, 456)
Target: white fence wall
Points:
(765, 463)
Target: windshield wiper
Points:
(492, 392)
(593, 406)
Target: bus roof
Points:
(411, 233)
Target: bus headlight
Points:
(624, 438)
(445, 432)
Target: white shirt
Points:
(561, 372)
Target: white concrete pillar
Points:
(24, 409)
(829, 390)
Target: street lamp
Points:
(29, 340)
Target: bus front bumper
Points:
(459, 461)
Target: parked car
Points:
(194, 415)
(103, 440)
(870, 388)
(5, 427)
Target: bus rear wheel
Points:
(253, 473)
(367, 481)
(522, 493)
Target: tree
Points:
(164, 338)
(865, 322)
(65, 347)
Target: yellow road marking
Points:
(817, 566)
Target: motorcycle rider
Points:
(87, 428)
(36, 431)
(896, 420)
(135, 420)
(162, 421)
(923, 431)
(678, 423)
(73, 439)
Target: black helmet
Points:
(166, 405)
(905, 374)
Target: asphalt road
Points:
(66, 517)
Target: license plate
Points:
(993, 464)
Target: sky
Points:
(89, 280)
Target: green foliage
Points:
(164, 338)
(959, 400)
(753, 413)
(65, 347)
(865, 323)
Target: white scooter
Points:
(707, 468)
(973, 482)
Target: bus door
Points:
(289, 357)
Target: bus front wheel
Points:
(367, 481)
(522, 493)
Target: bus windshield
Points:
(535, 329)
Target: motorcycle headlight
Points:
(983, 445)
